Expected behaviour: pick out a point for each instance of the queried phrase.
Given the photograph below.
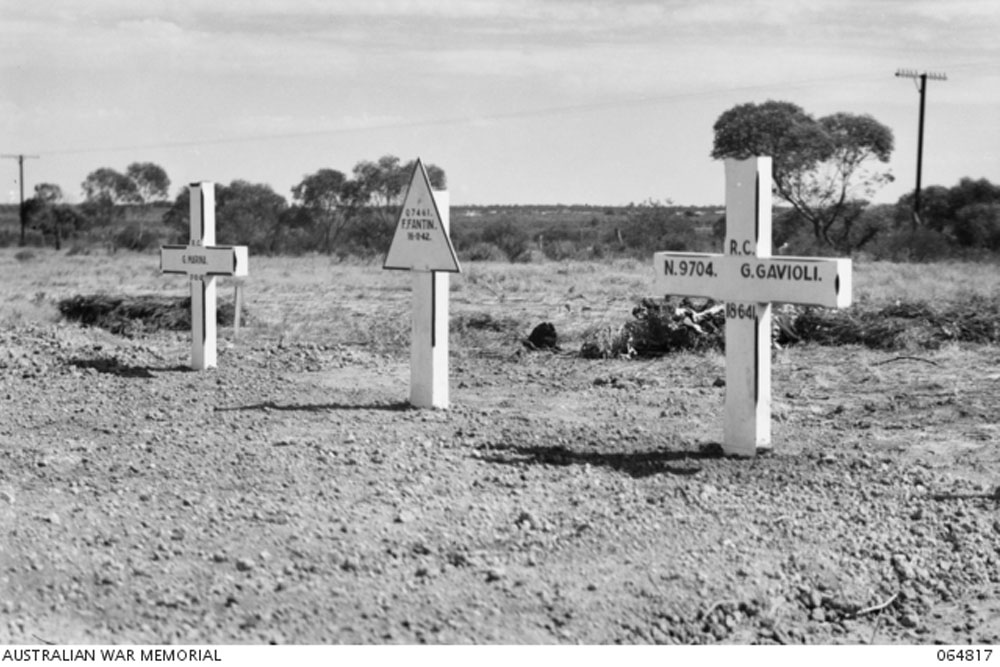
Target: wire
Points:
(466, 120)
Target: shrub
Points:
(483, 252)
(135, 237)
(507, 236)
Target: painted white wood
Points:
(429, 342)
(747, 414)
(750, 280)
(807, 281)
(421, 240)
(197, 260)
(201, 260)
(237, 309)
(203, 323)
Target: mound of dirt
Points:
(133, 315)
(664, 326)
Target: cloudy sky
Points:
(520, 101)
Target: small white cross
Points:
(202, 261)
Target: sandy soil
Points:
(291, 495)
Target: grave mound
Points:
(661, 326)
(133, 315)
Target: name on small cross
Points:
(194, 259)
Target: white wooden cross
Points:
(201, 260)
(749, 280)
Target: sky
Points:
(601, 102)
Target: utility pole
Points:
(20, 181)
(921, 78)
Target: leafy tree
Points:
(53, 218)
(381, 184)
(245, 214)
(978, 225)
(249, 213)
(371, 200)
(106, 184)
(820, 167)
(963, 213)
(150, 181)
(936, 211)
(321, 195)
(50, 193)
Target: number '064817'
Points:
(965, 654)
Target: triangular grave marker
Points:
(421, 241)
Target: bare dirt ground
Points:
(292, 496)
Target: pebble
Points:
(245, 564)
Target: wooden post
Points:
(429, 344)
(421, 244)
(237, 308)
(748, 330)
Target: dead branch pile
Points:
(134, 315)
(659, 327)
(662, 326)
(903, 325)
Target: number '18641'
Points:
(741, 311)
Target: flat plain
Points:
(291, 495)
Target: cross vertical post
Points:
(202, 261)
(747, 425)
(203, 292)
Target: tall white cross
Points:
(202, 261)
(749, 280)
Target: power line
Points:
(461, 120)
(472, 119)
(921, 79)
(20, 157)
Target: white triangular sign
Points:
(421, 242)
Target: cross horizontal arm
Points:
(808, 281)
(204, 260)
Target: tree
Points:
(978, 225)
(150, 181)
(106, 184)
(382, 184)
(53, 218)
(370, 200)
(245, 214)
(321, 195)
(965, 213)
(820, 167)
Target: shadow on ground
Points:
(112, 366)
(319, 407)
(634, 464)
